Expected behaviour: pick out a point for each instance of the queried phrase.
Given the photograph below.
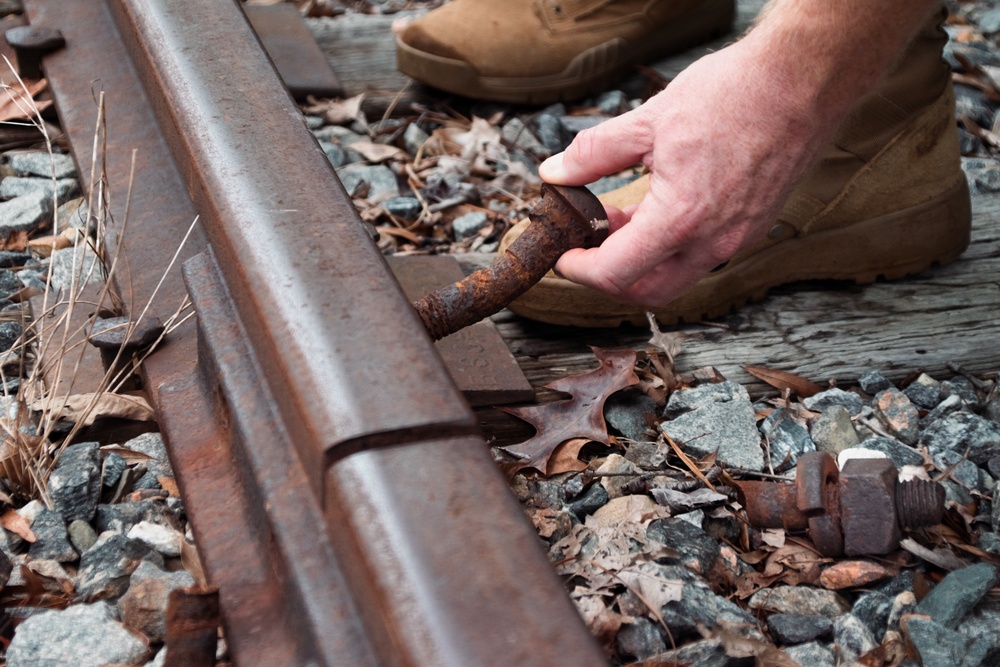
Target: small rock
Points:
(962, 469)
(111, 471)
(640, 639)
(646, 455)
(546, 494)
(700, 606)
(10, 259)
(381, 181)
(405, 208)
(25, 213)
(609, 183)
(852, 574)
(626, 411)
(940, 646)
(800, 600)
(963, 430)
(970, 144)
(42, 163)
(958, 593)
(589, 501)
(75, 483)
(75, 268)
(75, 213)
(798, 628)
(151, 444)
(334, 154)
(812, 654)
(469, 224)
(618, 469)
(716, 418)
(10, 334)
(9, 284)
(612, 102)
(900, 454)
(902, 605)
(872, 382)
(703, 653)
(18, 186)
(972, 103)
(983, 175)
(516, 133)
(992, 412)
(83, 635)
(166, 541)
(835, 396)
(943, 409)
(982, 624)
(338, 135)
(120, 517)
(143, 607)
(52, 543)
(833, 431)
(924, 392)
(873, 609)
(852, 638)
(414, 138)
(576, 124)
(895, 411)
(81, 535)
(696, 550)
(687, 501)
(786, 439)
(989, 21)
(106, 566)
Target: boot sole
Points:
(592, 71)
(888, 247)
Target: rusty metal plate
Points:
(294, 52)
(477, 358)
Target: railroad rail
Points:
(343, 499)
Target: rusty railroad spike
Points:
(565, 217)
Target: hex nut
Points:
(868, 507)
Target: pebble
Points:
(833, 431)
(716, 418)
(82, 635)
(694, 548)
(798, 628)
(18, 186)
(405, 208)
(10, 334)
(924, 392)
(592, 499)
(800, 600)
(873, 609)
(899, 416)
(835, 396)
(626, 412)
(413, 138)
(106, 566)
(381, 181)
(576, 124)
(40, 163)
(75, 267)
(52, 541)
(24, 213)
(786, 439)
(961, 431)
(703, 653)
(852, 638)
(166, 541)
(550, 132)
(872, 382)
(958, 593)
(812, 654)
(940, 646)
(334, 153)
(143, 606)
(517, 134)
(469, 224)
(700, 606)
(81, 535)
(75, 483)
(640, 639)
(612, 102)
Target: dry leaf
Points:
(783, 380)
(376, 152)
(44, 246)
(17, 524)
(85, 409)
(17, 103)
(580, 417)
(130, 455)
(646, 580)
(565, 457)
(336, 112)
(192, 563)
(169, 484)
(16, 241)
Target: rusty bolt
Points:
(30, 44)
(564, 218)
(860, 510)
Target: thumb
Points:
(598, 151)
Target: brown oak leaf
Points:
(580, 417)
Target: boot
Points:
(541, 51)
(887, 199)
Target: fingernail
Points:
(551, 168)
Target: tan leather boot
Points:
(541, 51)
(887, 199)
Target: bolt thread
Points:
(919, 503)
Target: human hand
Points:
(724, 143)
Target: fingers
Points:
(607, 148)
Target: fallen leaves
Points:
(17, 524)
(783, 380)
(17, 101)
(85, 409)
(581, 417)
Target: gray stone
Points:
(10, 334)
(414, 138)
(334, 153)
(962, 469)
(106, 566)
(42, 163)
(983, 175)
(81, 535)
(924, 392)
(800, 600)
(338, 135)
(872, 382)
(545, 493)
(25, 213)
(75, 213)
(612, 102)
(405, 208)
(694, 548)
(813, 654)
(151, 444)
(516, 133)
(621, 474)
(82, 635)
(75, 482)
(381, 181)
(52, 542)
(12, 259)
(700, 606)
(143, 607)
(973, 104)
(595, 497)
(716, 418)
(940, 646)
(18, 186)
(990, 542)
(703, 653)
(798, 628)
(958, 593)
(962, 387)
(9, 284)
(897, 414)
(900, 454)
(786, 439)
(873, 609)
(852, 637)
(75, 267)
(982, 624)
(647, 455)
(469, 224)
(835, 396)
(989, 21)
(833, 431)
(550, 132)
(626, 411)
(163, 539)
(111, 470)
(640, 639)
(903, 604)
(992, 412)
(120, 517)
(963, 430)
(688, 501)
(970, 144)
(313, 122)
(943, 409)
(576, 124)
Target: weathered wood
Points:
(825, 331)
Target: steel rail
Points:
(343, 500)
